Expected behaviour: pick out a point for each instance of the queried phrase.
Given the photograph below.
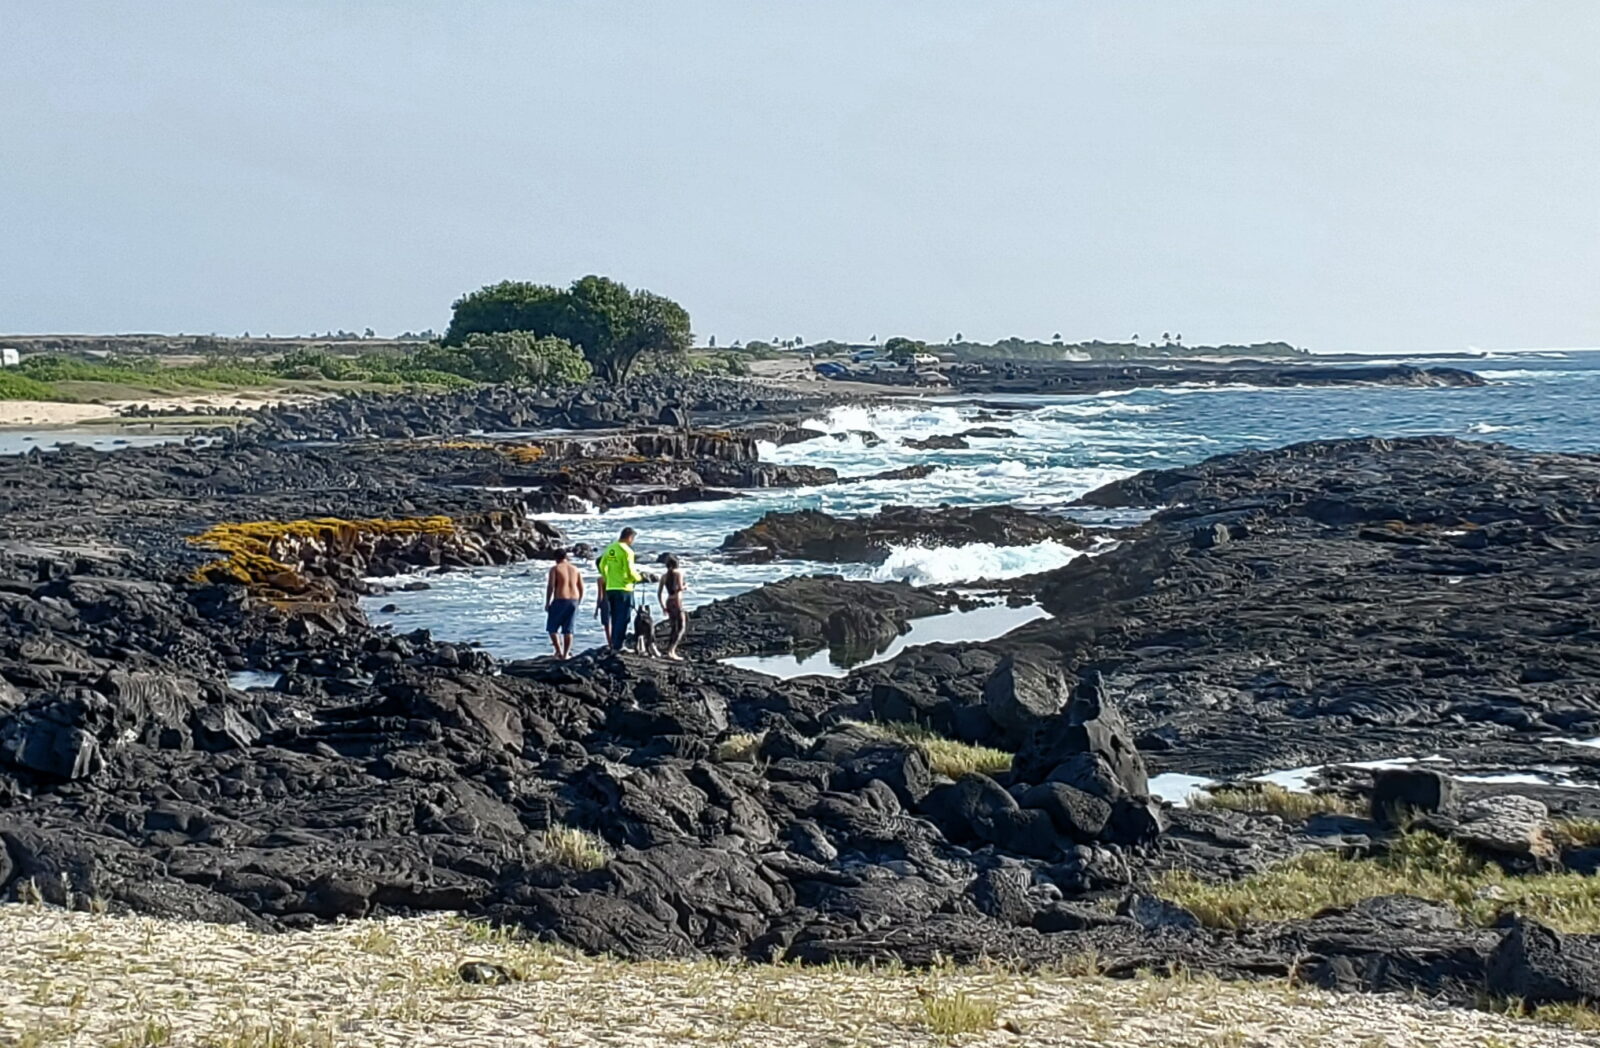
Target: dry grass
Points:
(953, 1014)
(1580, 833)
(1271, 799)
(740, 746)
(945, 756)
(573, 848)
(73, 980)
(273, 1034)
(1569, 1016)
(1419, 864)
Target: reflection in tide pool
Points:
(20, 441)
(1176, 788)
(954, 627)
(244, 680)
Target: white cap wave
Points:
(949, 565)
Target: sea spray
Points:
(950, 565)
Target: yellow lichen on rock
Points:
(522, 454)
(256, 549)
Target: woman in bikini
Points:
(669, 594)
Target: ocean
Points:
(1064, 446)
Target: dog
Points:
(644, 632)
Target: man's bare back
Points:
(565, 582)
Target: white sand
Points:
(77, 979)
(48, 413)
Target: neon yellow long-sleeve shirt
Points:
(617, 568)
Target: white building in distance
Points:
(9, 358)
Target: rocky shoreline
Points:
(1341, 599)
(1063, 378)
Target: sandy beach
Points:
(49, 413)
(72, 978)
(54, 414)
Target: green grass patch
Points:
(16, 386)
(1271, 799)
(1419, 864)
(144, 374)
(945, 756)
(72, 380)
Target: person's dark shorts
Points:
(561, 616)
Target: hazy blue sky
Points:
(1345, 175)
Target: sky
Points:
(1349, 175)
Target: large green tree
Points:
(652, 324)
(612, 326)
(511, 305)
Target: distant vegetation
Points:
(613, 327)
(17, 386)
(516, 357)
(1032, 349)
(142, 372)
(510, 332)
(512, 356)
(902, 350)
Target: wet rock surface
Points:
(674, 402)
(808, 613)
(1373, 598)
(1422, 593)
(815, 535)
(150, 497)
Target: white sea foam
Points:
(890, 421)
(1005, 468)
(1487, 427)
(1538, 373)
(1095, 410)
(948, 565)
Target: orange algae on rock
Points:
(522, 454)
(259, 553)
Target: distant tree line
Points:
(612, 327)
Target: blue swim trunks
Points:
(561, 616)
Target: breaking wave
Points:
(949, 565)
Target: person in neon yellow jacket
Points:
(618, 573)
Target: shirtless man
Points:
(562, 592)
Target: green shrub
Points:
(16, 386)
(313, 364)
(508, 356)
(142, 372)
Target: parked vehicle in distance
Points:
(828, 369)
(862, 355)
(925, 360)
